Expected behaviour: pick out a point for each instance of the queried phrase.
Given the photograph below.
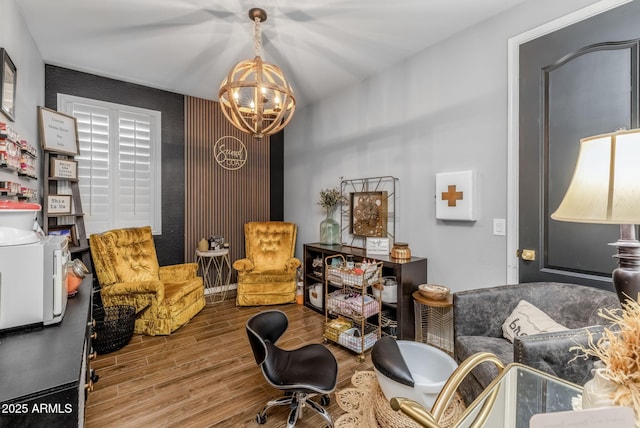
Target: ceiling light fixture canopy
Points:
(255, 96)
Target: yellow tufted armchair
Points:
(126, 264)
(268, 274)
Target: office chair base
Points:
(297, 401)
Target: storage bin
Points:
(335, 327)
(389, 292)
(114, 327)
(352, 305)
(315, 294)
(353, 340)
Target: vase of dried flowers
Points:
(598, 392)
(617, 381)
(330, 199)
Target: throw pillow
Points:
(526, 319)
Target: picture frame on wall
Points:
(68, 230)
(58, 132)
(8, 76)
(369, 213)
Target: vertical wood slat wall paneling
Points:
(219, 201)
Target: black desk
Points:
(43, 371)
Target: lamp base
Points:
(626, 277)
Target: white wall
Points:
(17, 40)
(443, 110)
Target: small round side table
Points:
(216, 273)
(434, 321)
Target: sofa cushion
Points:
(526, 320)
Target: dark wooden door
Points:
(576, 82)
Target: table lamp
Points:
(605, 188)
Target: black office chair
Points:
(301, 373)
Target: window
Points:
(118, 165)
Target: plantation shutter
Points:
(134, 183)
(118, 165)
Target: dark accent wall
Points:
(169, 245)
(276, 179)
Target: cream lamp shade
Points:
(605, 187)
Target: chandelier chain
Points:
(257, 36)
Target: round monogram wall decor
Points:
(230, 153)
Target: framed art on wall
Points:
(455, 195)
(8, 76)
(369, 213)
(58, 132)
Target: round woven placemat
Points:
(366, 406)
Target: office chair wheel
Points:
(261, 419)
(325, 400)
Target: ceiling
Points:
(188, 46)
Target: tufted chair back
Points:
(125, 255)
(127, 268)
(270, 245)
(268, 273)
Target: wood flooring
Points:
(204, 374)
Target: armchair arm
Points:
(135, 287)
(481, 312)
(178, 272)
(292, 264)
(550, 352)
(139, 294)
(243, 265)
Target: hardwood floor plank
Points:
(204, 374)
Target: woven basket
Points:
(114, 327)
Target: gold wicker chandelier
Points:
(255, 96)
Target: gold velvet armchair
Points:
(126, 264)
(268, 274)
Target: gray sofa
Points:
(478, 318)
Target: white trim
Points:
(513, 114)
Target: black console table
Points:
(44, 371)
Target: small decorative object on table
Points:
(617, 349)
(216, 242)
(434, 291)
(76, 271)
(329, 227)
(401, 251)
(203, 245)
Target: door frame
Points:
(513, 112)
